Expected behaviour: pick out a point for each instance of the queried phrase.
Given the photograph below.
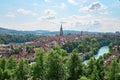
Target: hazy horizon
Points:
(80, 15)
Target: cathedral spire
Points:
(61, 31)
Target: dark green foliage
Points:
(56, 69)
(114, 71)
(12, 63)
(75, 66)
(5, 39)
(39, 72)
(100, 68)
(3, 63)
(70, 46)
(52, 66)
(88, 46)
(94, 74)
(91, 64)
(4, 73)
(22, 71)
(16, 50)
(30, 49)
(84, 78)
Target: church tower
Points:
(61, 31)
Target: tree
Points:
(11, 66)
(17, 50)
(0, 74)
(94, 75)
(22, 71)
(91, 64)
(56, 69)
(60, 51)
(30, 49)
(114, 71)
(80, 48)
(100, 68)
(4, 73)
(75, 66)
(118, 72)
(3, 63)
(12, 63)
(84, 78)
(39, 67)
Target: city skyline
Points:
(82, 15)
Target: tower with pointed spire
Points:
(61, 31)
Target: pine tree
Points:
(100, 68)
(56, 69)
(75, 66)
(84, 78)
(114, 71)
(91, 64)
(39, 67)
(4, 73)
(22, 71)
(11, 66)
(94, 75)
(12, 63)
(3, 63)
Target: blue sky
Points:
(82, 15)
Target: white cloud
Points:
(93, 7)
(23, 11)
(63, 5)
(75, 22)
(77, 2)
(11, 15)
(72, 2)
(47, 0)
(26, 12)
(49, 12)
(35, 4)
(109, 25)
(91, 23)
(49, 17)
(84, 9)
(105, 13)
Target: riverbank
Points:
(103, 50)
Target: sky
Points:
(81, 15)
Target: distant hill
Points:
(40, 32)
(13, 32)
(36, 32)
(64, 31)
(16, 32)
